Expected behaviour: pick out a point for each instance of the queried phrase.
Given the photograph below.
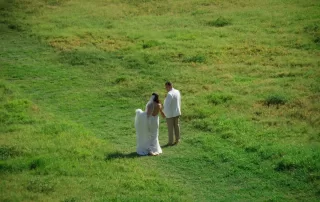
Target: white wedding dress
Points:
(147, 131)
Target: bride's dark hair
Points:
(156, 97)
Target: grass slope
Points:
(73, 71)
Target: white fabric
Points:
(147, 130)
(154, 145)
(150, 106)
(172, 104)
(142, 132)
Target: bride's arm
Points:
(161, 111)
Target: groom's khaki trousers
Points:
(173, 127)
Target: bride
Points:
(147, 127)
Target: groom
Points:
(172, 112)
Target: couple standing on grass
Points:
(147, 122)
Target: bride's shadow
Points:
(119, 155)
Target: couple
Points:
(147, 122)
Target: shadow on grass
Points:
(169, 145)
(165, 146)
(119, 155)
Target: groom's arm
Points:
(167, 103)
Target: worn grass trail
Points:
(73, 72)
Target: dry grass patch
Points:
(76, 42)
(67, 44)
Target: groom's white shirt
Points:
(172, 104)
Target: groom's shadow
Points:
(168, 145)
(119, 155)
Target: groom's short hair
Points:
(168, 83)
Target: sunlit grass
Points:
(73, 72)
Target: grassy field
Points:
(72, 73)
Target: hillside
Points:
(72, 73)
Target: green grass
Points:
(73, 72)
